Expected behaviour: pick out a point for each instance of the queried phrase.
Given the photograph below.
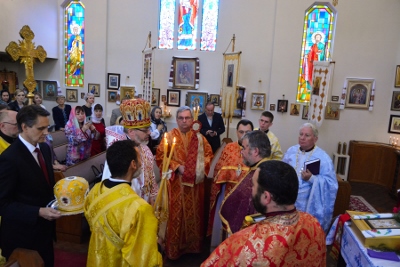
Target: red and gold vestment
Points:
(288, 239)
(229, 170)
(185, 226)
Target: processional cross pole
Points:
(27, 52)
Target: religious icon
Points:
(294, 109)
(75, 50)
(230, 75)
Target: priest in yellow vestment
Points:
(123, 225)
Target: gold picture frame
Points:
(295, 109)
(258, 101)
(94, 88)
(127, 92)
(155, 97)
(332, 111)
(184, 73)
(112, 96)
(71, 95)
(197, 99)
(358, 93)
(214, 98)
(397, 77)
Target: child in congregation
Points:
(98, 143)
(79, 131)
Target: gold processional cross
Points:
(28, 53)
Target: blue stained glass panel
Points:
(167, 24)
(187, 23)
(74, 43)
(209, 25)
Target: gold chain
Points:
(297, 157)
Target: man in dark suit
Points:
(212, 126)
(26, 182)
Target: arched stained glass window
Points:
(74, 43)
(318, 34)
(179, 20)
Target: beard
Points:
(247, 163)
(137, 173)
(257, 204)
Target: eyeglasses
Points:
(146, 130)
(13, 124)
(184, 118)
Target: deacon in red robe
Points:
(282, 236)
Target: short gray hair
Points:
(87, 96)
(260, 140)
(183, 108)
(310, 125)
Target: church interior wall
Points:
(366, 45)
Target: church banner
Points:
(230, 77)
(148, 74)
(323, 71)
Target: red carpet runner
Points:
(358, 203)
(69, 259)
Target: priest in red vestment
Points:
(237, 204)
(228, 171)
(190, 163)
(282, 236)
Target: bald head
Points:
(8, 123)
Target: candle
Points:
(170, 154)
(390, 140)
(165, 151)
(195, 113)
(339, 148)
(344, 151)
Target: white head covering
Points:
(94, 118)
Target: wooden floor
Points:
(376, 195)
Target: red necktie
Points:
(42, 164)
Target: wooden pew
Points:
(72, 228)
(84, 168)
(59, 138)
(60, 152)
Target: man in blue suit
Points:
(212, 126)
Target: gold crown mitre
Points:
(70, 193)
(136, 113)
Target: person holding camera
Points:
(80, 132)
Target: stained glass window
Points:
(74, 43)
(179, 21)
(318, 34)
(209, 25)
(167, 24)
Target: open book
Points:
(312, 166)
